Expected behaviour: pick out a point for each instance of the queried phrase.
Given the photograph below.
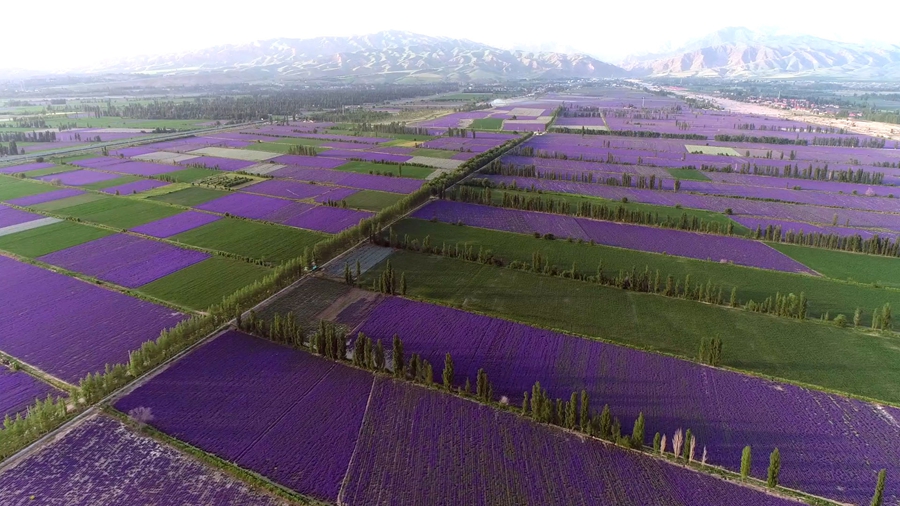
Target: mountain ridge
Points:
(741, 52)
(402, 54)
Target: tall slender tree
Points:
(774, 468)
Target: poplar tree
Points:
(878, 498)
(637, 433)
(448, 372)
(398, 357)
(572, 412)
(605, 422)
(746, 460)
(585, 417)
(774, 468)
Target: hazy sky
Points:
(59, 34)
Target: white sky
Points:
(60, 34)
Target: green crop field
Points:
(371, 200)
(49, 171)
(883, 271)
(435, 153)
(117, 122)
(391, 168)
(204, 284)
(663, 211)
(190, 197)
(112, 182)
(487, 124)
(251, 239)
(120, 212)
(75, 158)
(12, 188)
(696, 175)
(56, 205)
(191, 175)
(804, 351)
(824, 295)
(47, 239)
(279, 147)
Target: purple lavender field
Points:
(40, 198)
(213, 162)
(268, 408)
(174, 225)
(671, 393)
(245, 205)
(656, 240)
(287, 189)
(10, 216)
(125, 260)
(102, 462)
(18, 391)
(26, 167)
(329, 219)
(67, 327)
(454, 451)
(80, 177)
(777, 210)
(351, 179)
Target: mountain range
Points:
(744, 53)
(399, 56)
(390, 55)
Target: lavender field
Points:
(67, 327)
(454, 451)
(673, 242)
(671, 393)
(103, 462)
(266, 407)
(125, 260)
(18, 391)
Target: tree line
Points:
(255, 106)
(574, 414)
(586, 209)
(646, 281)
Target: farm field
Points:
(99, 326)
(671, 393)
(833, 358)
(396, 170)
(119, 212)
(265, 407)
(190, 197)
(714, 248)
(372, 407)
(661, 211)
(203, 284)
(251, 239)
(370, 200)
(876, 270)
(49, 239)
(727, 277)
(103, 462)
(751, 284)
